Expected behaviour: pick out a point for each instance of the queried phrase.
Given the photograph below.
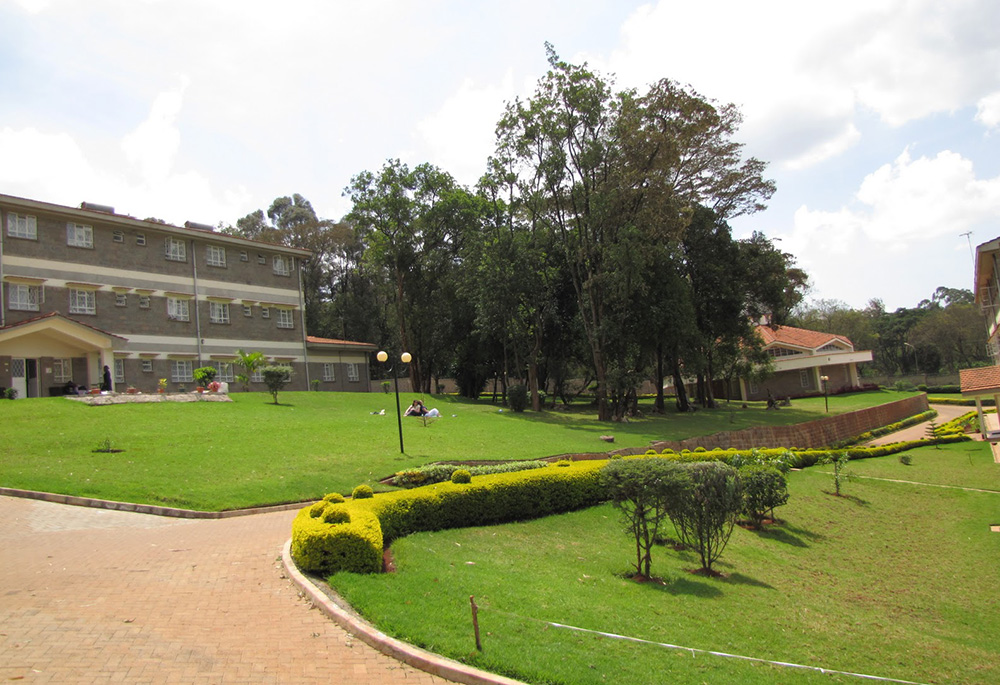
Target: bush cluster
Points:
(891, 428)
(439, 473)
(357, 545)
(517, 398)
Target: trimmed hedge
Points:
(357, 545)
(439, 473)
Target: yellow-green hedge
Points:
(357, 546)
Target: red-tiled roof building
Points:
(984, 382)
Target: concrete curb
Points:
(144, 508)
(350, 621)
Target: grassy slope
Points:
(894, 580)
(249, 452)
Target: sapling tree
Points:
(839, 462)
(764, 488)
(275, 378)
(641, 490)
(705, 511)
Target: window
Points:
(23, 297)
(225, 372)
(352, 373)
(285, 318)
(181, 370)
(118, 236)
(215, 256)
(265, 312)
(329, 372)
(218, 312)
(147, 366)
(782, 352)
(261, 259)
(753, 388)
(257, 376)
(244, 257)
(144, 302)
(140, 239)
(19, 226)
(62, 370)
(121, 300)
(282, 265)
(804, 379)
(178, 309)
(119, 371)
(829, 348)
(79, 235)
(82, 301)
(175, 250)
(247, 310)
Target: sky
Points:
(879, 119)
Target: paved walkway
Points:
(946, 412)
(96, 596)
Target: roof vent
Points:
(200, 227)
(93, 207)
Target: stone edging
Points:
(144, 508)
(341, 613)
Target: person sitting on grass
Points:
(416, 409)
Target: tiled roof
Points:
(60, 316)
(334, 341)
(799, 337)
(982, 381)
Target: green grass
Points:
(214, 456)
(892, 580)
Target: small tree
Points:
(839, 461)
(705, 511)
(640, 489)
(764, 488)
(250, 361)
(204, 375)
(275, 378)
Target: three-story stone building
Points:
(84, 288)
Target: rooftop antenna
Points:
(968, 236)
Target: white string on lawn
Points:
(695, 650)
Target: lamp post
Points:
(382, 356)
(826, 393)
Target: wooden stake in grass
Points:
(475, 621)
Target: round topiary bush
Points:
(461, 476)
(362, 492)
(317, 509)
(336, 515)
(334, 497)
(563, 462)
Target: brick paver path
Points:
(946, 412)
(96, 596)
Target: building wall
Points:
(127, 263)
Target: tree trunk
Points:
(658, 404)
(682, 399)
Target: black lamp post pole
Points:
(399, 416)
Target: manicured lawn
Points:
(893, 580)
(216, 456)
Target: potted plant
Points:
(162, 386)
(214, 386)
(131, 390)
(204, 375)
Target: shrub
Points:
(461, 476)
(319, 547)
(905, 459)
(317, 509)
(517, 398)
(10, 393)
(335, 514)
(705, 510)
(642, 489)
(362, 492)
(439, 473)
(275, 378)
(764, 488)
(204, 375)
(334, 497)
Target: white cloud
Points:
(988, 110)
(154, 144)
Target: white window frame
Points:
(247, 310)
(224, 372)
(178, 309)
(329, 372)
(804, 379)
(174, 249)
(119, 371)
(22, 226)
(144, 301)
(140, 239)
(82, 301)
(121, 299)
(23, 297)
(215, 255)
(352, 373)
(118, 236)
(257, 375)
(181, 370)
(752, 387)
(147, 366)
(218, 312)
(285, 318)
(79, 235)
(265, 312)
(282, 265)
(62, 370)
